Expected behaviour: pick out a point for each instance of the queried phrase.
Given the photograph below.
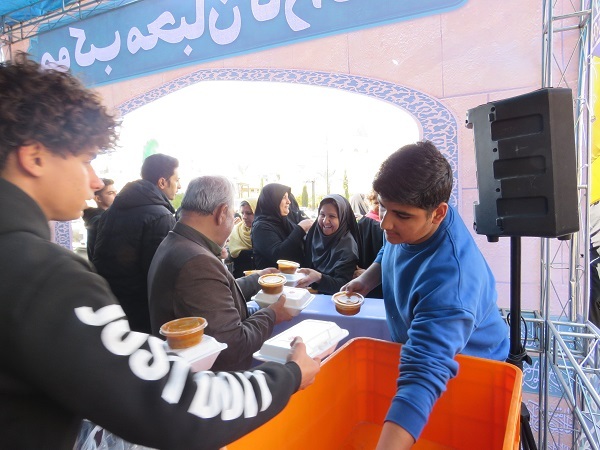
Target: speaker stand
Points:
(517, 353)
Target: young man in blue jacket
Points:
(438, 290)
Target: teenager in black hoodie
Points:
(68, 353)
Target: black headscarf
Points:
(326, 252)
(296, 215)
(267, 207)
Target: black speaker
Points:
(526, 165)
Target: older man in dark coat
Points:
(188, 278)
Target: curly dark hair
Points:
(51, 107)
(416, 175)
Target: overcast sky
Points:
(278, 131)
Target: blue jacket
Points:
(440, 300)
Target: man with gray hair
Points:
(187, 277)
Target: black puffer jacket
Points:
(91, 217)
(129, 232)
(67, 356)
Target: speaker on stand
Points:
(527, 182)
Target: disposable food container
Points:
(355, 387)
(320, 337)
(286, 266)
(272, 283)
(296, 299)
(293, 278)
(184, 332)
(348, 303)
(201, 356)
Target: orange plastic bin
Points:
(346, 406)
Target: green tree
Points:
(177, 201)
(150, 148)
(345, 184)
(304, 198)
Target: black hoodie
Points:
(129, 232)
(67, 354)
(91, 216)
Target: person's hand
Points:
(281, 314)
(267, 271)
(306, 224)
(357, 286)
(308, 366)
(310, 276)
(358, 272)
(366, 281)
(237, 220)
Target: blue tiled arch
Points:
(437, 122)
(63, 234)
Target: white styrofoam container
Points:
(201, 356)
(321, 337)
(293, 278)
(296, 299)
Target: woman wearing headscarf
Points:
(332, 247)
(273, 235)
(240, 241)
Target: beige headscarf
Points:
(240, 235)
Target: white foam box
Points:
(296, 299)
(321, 337)
(201, 356)
(293, 278)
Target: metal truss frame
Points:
(568, 343)
(14, 29)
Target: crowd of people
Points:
(72, 354)
(84, 335)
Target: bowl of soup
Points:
(286, 266)
(348, 303)
(272, 283)
(184, 332)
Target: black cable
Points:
(524, 327)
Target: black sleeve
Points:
(372, 241)
(330, 284)
(77, 351)
(91, 230)
(267, 241)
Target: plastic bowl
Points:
(272, 283)
(184, 332)
(286, 266)
(348, 303)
